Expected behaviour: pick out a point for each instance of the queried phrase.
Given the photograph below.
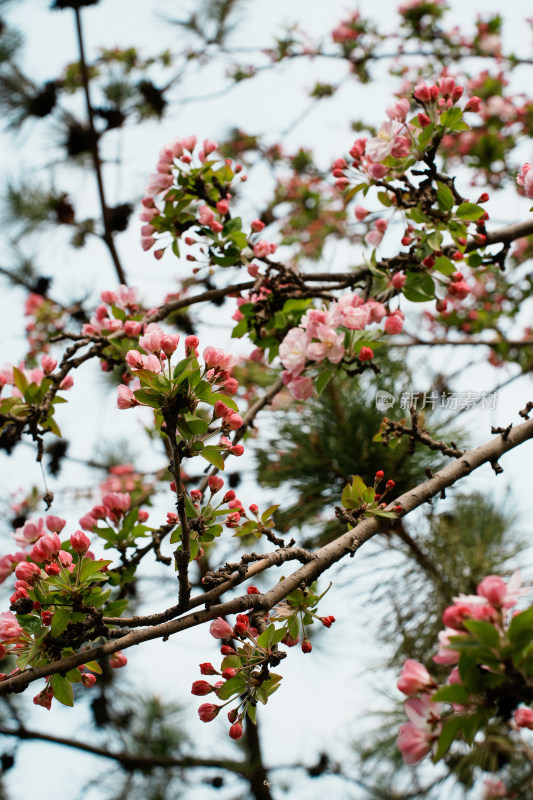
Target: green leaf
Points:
(235, 685)
(62, 690)
(445, 197)
(60, 620)
(268, 513)
(73, 675)
(445, 266)
(434, 240)
(521, 623)
(212, 455)
(175, 536)
(449, 732)
(453, 693)
(21, 381)
(148, 397)
(252, 712)
(225, 399)
(265, 639)
(197, 425)
(346, 496)
(483, 631)
(90, 568)
(358, 488)
(94, 666)
(469, 211)
(323, 379)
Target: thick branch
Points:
(324, 558)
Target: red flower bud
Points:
(306, 646)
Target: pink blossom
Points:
(387, 139)
(67, 383)
(9, 627)
(151, 341)
(117, 660)
(264, 248)
(46, 548)
(217, 358)
(394, 323)
(360, 213)
(414, 678)
(493, 788)
(134, 359)
(79, 542)
(48, 364)
(88, 522)
(220, 629)
(236, 730)
(208, 711)
(330, 346)
(257, 226)
(29, 533)
(44, 698)
(523, 717)
(64, 558)
(26, 571)
(377, 310)
(399, 110)
(126, 398)
(132, 328)
(446, 653)
(55, 524)
(414, 743)
(301, 387)
(117, 502)
(500, 594)
(205, 216)
(525, 179)
(366, 354)
(355, 319)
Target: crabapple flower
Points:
(126, 398)
(414, 678)
(201, 688)
(236, 731)
(9, 627)
(208, 711)
(292, 351)
(79, 542)
(46, 548)
(220, 629)
(500, 594)
(446, 653)
(525, 179)
(117, 660)
(523, 717)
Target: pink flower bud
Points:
(523, 717)
(169, 344)
(365, 354)
(79, 542)
(215, 483)
(257, 226)
(360, 213)
(132, 328)
(55, 524)
(201, 688)
(220, 629)
(414, 678)
(26, 571)
(117, 660)
(236, 730)
(208, 711)
(48, 364)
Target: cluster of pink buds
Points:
(116, 313)
(175, 158)
(33, 376)
(112, 509)
(220, 629)
(46, 317)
